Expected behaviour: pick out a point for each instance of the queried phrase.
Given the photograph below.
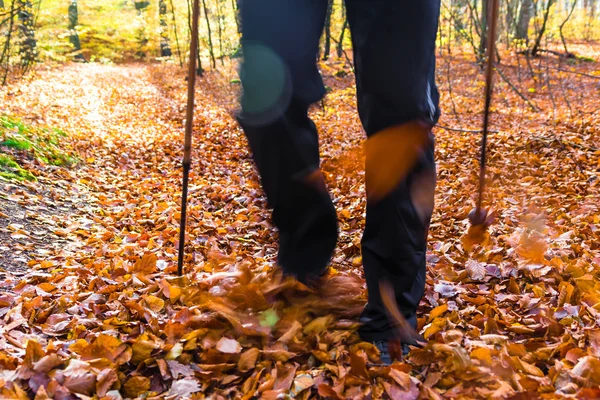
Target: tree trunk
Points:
(340, 43)
(220, 18)
(511, 8)
(5, 56)
(538, 40)
(237, 5)
(327, 47)
(27, 43)
(175, 33)
(199, 69)
(211, 50)
(141, 32)
(73, 35)
(525, 15)
(2, 4)
(560, 29)
(165, 45)
(484, 29)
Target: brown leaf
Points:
(301, 383)
(390, 154)
(178, 368)
(327, 392)
(84, 383)
(358, 363)
(401, 378)
(318, 325)
(106, 378)
(145, 265)
(33, 353)
(291, 332)
(135, 386)
(141, 350)
(285, 376)
(154, 303)
(588, 368)
(594, 338)
(47, 363)
(248, 359)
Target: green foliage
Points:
(9, 169)
(20, 142)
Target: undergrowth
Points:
(22, 146)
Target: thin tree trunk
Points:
(327, 47)
(73, 35)
(220, 18)
(484, 30)
(5, 56)
(141, 32)
(199, 69)
(237, 5)
(340, 43)
(1, 3)
(165, 46)
(538, 40)
(560, 29)
(210, 43)
(175, 33)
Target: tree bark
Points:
(176, 35)
(73, 35)
(220, 18)
(484, 30)
(560, 29)
(525, 15)
(327, 46)
(5, 56)
(141, 33)
(538, 40)
(27, 43)
(199, 69)
(340, 43)
(211, 50)
(237, 5)
(165, 45)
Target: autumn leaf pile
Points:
(515, 317)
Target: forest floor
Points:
(90, 304)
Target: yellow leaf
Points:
(436, 326)
(437, 312)
(482, 354)
(154, 303)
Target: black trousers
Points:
(394, 56)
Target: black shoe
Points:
(386, 355)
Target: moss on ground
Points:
(20, 142)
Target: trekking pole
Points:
(187, 149)
(480, 215)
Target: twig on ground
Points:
(521, 95)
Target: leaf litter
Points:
(515, 317)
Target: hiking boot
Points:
(391, 350)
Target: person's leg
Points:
(394, 52)
(280, 80)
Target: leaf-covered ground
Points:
(106, 317)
